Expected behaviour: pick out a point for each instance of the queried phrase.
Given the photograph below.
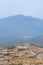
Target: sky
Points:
(32, 8)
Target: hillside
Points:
(22, 54)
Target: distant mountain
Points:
(37, 40)
(14, 28)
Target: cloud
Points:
(26, 37)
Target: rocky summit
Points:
(22, 54)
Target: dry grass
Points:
(29, 61)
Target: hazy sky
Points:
(26, 7)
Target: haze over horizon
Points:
(32, 8)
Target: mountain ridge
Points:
(20, 15)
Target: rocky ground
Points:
(22, 54)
